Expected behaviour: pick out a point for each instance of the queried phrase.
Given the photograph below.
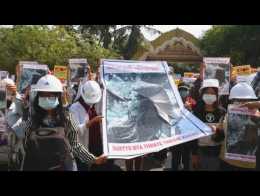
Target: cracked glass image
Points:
(30, 76)
(218, 71)
(142, 107)
(242, 134)
(77, 71)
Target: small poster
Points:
(30, 74)
(188, 74)
(243, 70)
(242, 131)
(77, 70)
(61, 72)
(188, 81)
(218, 68)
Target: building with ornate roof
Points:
(176, 47)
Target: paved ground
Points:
(150, 164)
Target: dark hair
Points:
(40, 113)
(194, 91)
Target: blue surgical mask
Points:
(48, 103)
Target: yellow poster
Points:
(61, 72)
(243, 70)
(188, 74)
(177, 82)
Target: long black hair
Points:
(39, 113)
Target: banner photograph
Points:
(243, 125)
(77, 68)
(30, 74)
(218, 68)
(143, 109)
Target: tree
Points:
(51, 46)
(135, 37)
(103, 33)
(122, 38)
(240, 42)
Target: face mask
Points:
(183, 94)
(48, 103)
(209, 99)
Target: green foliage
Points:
(240, 42)
(124, 39)
(47, 45)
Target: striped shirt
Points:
(78, 149)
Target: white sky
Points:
(196, 30)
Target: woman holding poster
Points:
(206, 150)
(240, 127)
(51, 133)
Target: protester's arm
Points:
(82, 126)
(252, 105)
(23, 126)
(78, 149)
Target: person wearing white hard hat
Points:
(85, 111)
(240, 95)
(205, 151)
(52, 132)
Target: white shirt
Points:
(81, 116)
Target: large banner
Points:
(143, 110)
(242, 130)
(77, 70)
(218, 68)
(30, 74)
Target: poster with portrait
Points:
(242, 130)
(30, 74)
(77, 70)
(143, 111)
(218, 68)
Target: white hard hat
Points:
(8, 81)
(242, 90)
(91, 92)
(48, 83)
(213, 83)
